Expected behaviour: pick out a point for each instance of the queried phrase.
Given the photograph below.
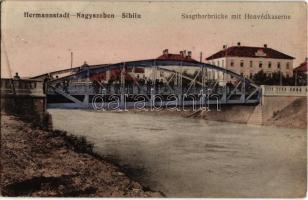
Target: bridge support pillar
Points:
(152, 97)
(86, 100)
(224, 96)
(180, 98)
(122, 101)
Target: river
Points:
(185, 157)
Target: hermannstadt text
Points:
(79, 15)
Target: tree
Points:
(276, 78)
(259, 78)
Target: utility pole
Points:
(9, 67)
(71, 59)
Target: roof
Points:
(301, 68)
(176, 57)
(253, 52)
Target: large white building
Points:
(248, 61)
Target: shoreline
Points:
(279, 120)
(42, 163)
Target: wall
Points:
(246, 69)
(26, 100)
(284, 106)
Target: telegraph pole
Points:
(71, 59)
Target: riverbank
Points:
(51, 164)
(284, 113)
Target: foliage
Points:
(277, 78)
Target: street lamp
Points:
(71, 57)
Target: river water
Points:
(185, 157)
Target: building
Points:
(300, 73)
(302, 68)
(182, 56)
(248, 61)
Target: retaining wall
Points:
(26, 99)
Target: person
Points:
(161, 84)
(65, 86)
(149, 84)
(156, 85)
(109, 84)
(17, 77)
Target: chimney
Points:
(224, 46)
(238, 44)
(189, 54)
(265, 45)
(165, 52)
(184, 53)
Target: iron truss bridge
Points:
(147, 83)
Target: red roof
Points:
(253, 52)
(176, 57)
(301, 68)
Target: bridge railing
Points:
(275, 90)
(22, 87)
(91, 89)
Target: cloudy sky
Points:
(35, 45)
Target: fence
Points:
(22, 87)
(275, 90)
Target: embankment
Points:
(42, 163)
(289, 112)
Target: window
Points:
(288, 65)
(278, 65)
(222, 63)
(260, 64)
(250, 63)
(232, 63)
(218, 63)
(269, 64)
(242, 63)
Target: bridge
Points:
(165, 81)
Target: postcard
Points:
(165, 99)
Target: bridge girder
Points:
(148, 64)
(162, 65)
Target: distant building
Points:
(248, 61)
(302, 68)
(182, 56)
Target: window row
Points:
(261, 64)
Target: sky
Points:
(32, 46)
